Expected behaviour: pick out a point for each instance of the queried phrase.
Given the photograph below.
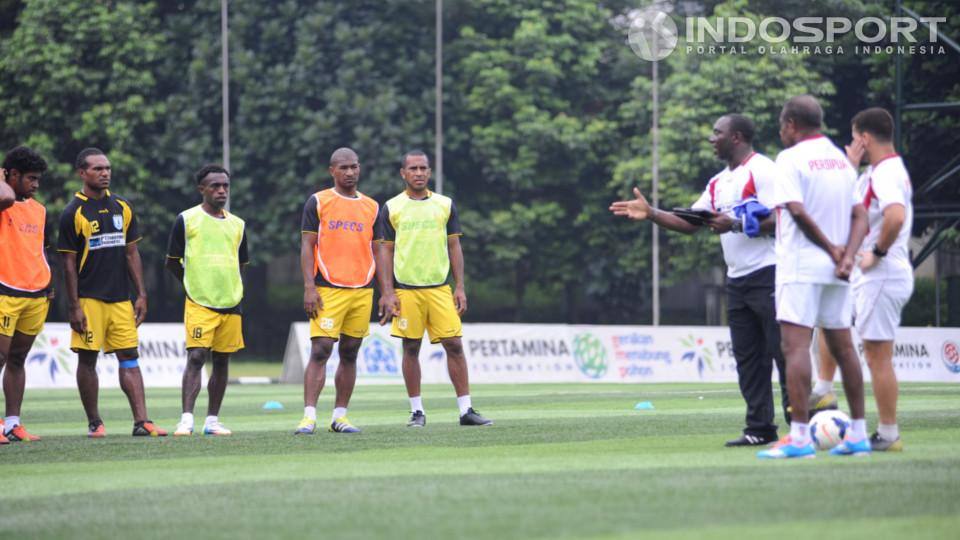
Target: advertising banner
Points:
(163, 355)
(534, 353)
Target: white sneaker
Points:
(183, 430)
(216, 428)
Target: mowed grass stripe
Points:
(201, 460)
(563, 461)
(511, 505)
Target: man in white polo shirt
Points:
(820, 227)
(750, 259)
(883, 279)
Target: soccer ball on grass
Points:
(827, 428)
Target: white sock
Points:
(858, 430)
(416, 404)
(823, 387)
(186, 418)
(310, 412)
(338, 412)
(889, 432)
(11, 422)
(211, 420)
(799, 434)
(464, 403)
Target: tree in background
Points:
(547, 115)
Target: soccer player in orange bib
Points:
(337, 260)
(25, 290)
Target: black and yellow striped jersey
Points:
(98, 231)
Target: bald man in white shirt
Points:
(820, 226)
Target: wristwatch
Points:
(736, 226)
(880, 253)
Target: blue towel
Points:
(750, 212)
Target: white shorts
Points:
(877, 306)
(815, 304)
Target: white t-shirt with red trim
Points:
(816, 173)
(755, 177)
(881, 185)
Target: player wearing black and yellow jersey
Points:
(98, 240)
(25, 290)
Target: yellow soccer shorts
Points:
(208, 329)
(24, 315)
(345, 312)
(111, 326)
(431, 309)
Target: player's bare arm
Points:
(175, 267)
(859, 224)
(7, 195)
(135, 269)
(312, 303)
(456, 265)
(813, 232)
(78, 321)
(893, 217)
(639, 209)
(389, 305)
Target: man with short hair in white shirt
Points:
(883, 279)
(750, 261)
(820, 227)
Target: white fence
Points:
(527, 353)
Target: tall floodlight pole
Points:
(225, 87)
(438, 97)
(655, 188)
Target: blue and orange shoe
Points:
(785, 449)
(3, 439)
(19, 433)
(849, 448)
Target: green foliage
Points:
(85, 74)
(547, 118)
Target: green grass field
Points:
(562, 461)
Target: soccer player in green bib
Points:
(421, 244)
(207, 247)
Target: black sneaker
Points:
(749, 439)
(473, 418)
(417, 419)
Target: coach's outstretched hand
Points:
(638, 209)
